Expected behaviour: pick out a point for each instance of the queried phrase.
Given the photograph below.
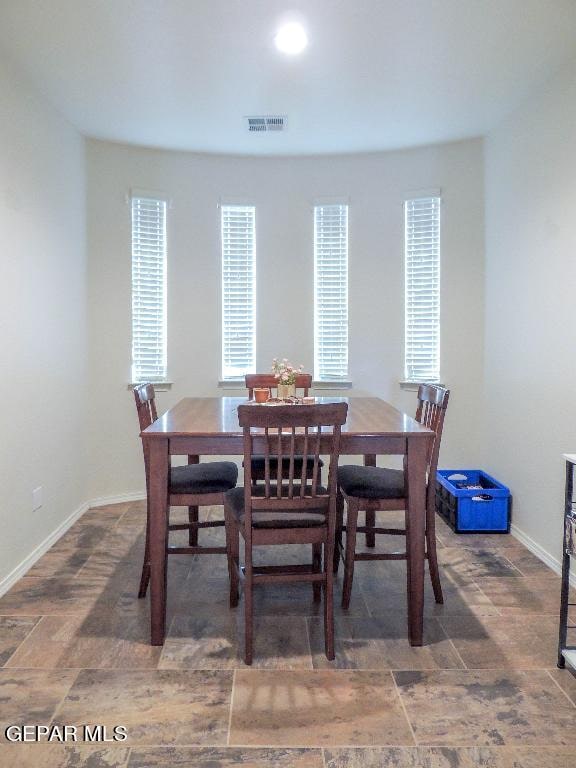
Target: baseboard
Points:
(120, 498)
(542, 554)
(8, 581)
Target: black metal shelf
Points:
(567, 652)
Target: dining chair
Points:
(268, 380)
(195, 485)
(371, 489)
(299, 511)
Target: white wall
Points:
(530, 296)
(42, 318)
(284, 191)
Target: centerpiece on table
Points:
(286, 375)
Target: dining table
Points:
(208, 426)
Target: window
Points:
(148, 289)
(238, 291)
(422, 303)
(330, 292)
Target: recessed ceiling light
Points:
(291, 38)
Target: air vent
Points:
(266, 123)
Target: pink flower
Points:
(284, 371)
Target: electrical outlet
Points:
(36, 498)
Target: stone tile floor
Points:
(484, 689)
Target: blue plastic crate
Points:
(484, 509)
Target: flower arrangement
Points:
(285, 372)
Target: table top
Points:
(207, 416)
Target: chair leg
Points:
(317, 568)
(370, 461)
(145, 577)
(339, 529)
(351, 525)
(248, 617)
(432, 558)
(193, 532)
(233, 553)
(329, 601)
(408, 561)
(370, 523)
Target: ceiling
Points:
(378, 74)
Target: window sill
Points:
(239, 384)
(413, 385)
(332, 385)
(232, 384)
(159, 386)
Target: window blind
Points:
(330, 292)
(422, 300)
(148, 289)
(238, 291)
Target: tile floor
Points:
(484, 690)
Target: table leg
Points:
(158, 471)
(370, 461)
(416, 528)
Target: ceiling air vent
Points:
(266, 123)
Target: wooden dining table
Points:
(208, 426)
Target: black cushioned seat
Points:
(258, 465)
(212, 477)
(262, 519)
(371, 482)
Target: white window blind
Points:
(330, 292)
(238, 290)
(422, 301)
(148, 289)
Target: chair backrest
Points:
(432, 405)
(145, 404)
(303, 382)
(146, 407)
(281, 433)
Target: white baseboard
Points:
(551, 561)
(10, 579)
(120, 498)
(20, 570)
